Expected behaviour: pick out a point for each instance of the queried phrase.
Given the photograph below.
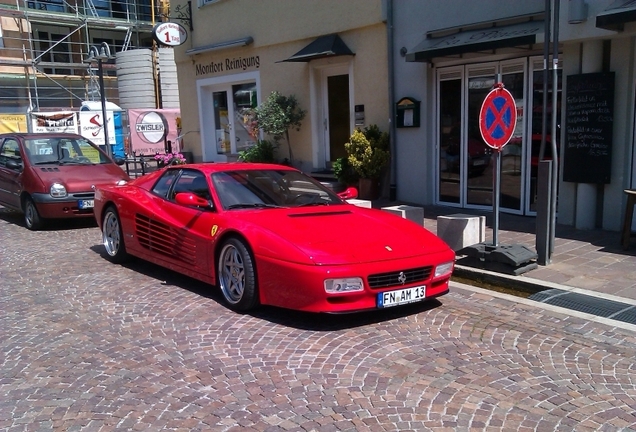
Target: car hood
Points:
(79, 177)
(348, 234)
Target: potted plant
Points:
(344, 172)
(368, 155)
(262, 151)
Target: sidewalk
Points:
(588, 261)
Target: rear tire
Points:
(32, 218)
(236, 276)
(112, 236)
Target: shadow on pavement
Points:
(290, 318)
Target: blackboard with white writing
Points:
(589, 119)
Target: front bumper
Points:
(61, 208)
(301, 287)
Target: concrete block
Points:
(412, 213)
(461, 230)
(360, 202)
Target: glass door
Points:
(449, 185)
(222, 123)
(536, 126)
(465, 164)
(232, 120)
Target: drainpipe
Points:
(392, 129)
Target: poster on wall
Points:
(153, 131)
(92, 127)
(13, 123)
(53, 122)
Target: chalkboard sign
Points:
(589, 112)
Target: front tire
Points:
(236, 276)
(32, 218)
(112, 236)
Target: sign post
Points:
(497, 122)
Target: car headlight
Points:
(444, 269)
(57, 190)
(342, 285)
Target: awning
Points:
(476, 40)
(324, 46)
(617, 14)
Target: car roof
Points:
(34, 135)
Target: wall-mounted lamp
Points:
(577, 11)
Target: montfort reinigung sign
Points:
(228, 65)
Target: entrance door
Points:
(225, 120)
(337, 112)
(465, 164)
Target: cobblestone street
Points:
(87, 345)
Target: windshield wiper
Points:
(252, 205)
(57, 162)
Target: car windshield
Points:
(64, 150)
(270, 189)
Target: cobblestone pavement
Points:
(91, 346)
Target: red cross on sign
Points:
(498, 117)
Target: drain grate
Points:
(588, 304)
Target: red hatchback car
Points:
(52, 176)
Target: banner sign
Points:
(61, 121)
(152, 131)
(13, 123)
(92, 127)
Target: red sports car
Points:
(49, 176)
(269, 234)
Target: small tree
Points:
(277, 115)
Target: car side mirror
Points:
(120, 161)
(14, 164)
(349, 193)
(190, 199)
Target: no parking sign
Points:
(498, 117)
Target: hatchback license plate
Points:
(402, 296)
(86, 204)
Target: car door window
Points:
(162, 186)
(10, 150)
(191, 181)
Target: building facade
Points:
(330, 55)
(451, 56)
(422, 69)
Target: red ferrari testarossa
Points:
(269, 234)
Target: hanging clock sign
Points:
(169, 34)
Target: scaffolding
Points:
(44, 46)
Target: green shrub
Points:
(262, 151)
(344, 172)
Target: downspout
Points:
(392, 129)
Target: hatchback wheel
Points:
(236, 276)
(32, 218)
(112, 236)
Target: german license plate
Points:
(401, 296)
(86, 204)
